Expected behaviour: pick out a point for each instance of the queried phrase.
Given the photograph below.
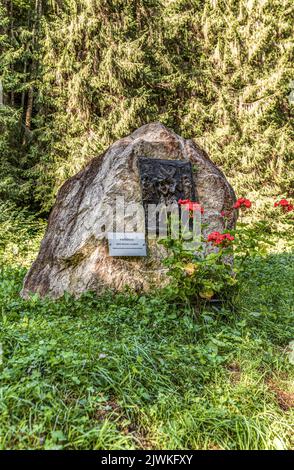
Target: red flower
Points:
(242, 202)
(286, 206)
(213, 236)
(191, 206)
(220, 239)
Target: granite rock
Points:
(74, 259)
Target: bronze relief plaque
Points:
(165, 181)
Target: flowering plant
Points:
(220, 239)
(242, 203)
(206, 272)
(191, 206)
(285, 205)
(196, 277)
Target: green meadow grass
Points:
(129, 371)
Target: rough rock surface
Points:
(73, 259)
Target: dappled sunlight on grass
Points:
(127, 371)
(130, 371)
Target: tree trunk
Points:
(29, 110)
(30, 95)
(23, 95)
(1, 95)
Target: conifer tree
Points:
(79, 74)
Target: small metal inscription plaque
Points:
(127, 244)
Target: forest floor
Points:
(129, 371)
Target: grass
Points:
(129, 371)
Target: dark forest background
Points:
(78, 74)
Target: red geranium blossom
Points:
(286, 205)
(220, 239)
(191, 206)
(242, 202)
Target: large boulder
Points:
(74, 259)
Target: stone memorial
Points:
(96, 236)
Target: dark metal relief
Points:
(165, 181)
